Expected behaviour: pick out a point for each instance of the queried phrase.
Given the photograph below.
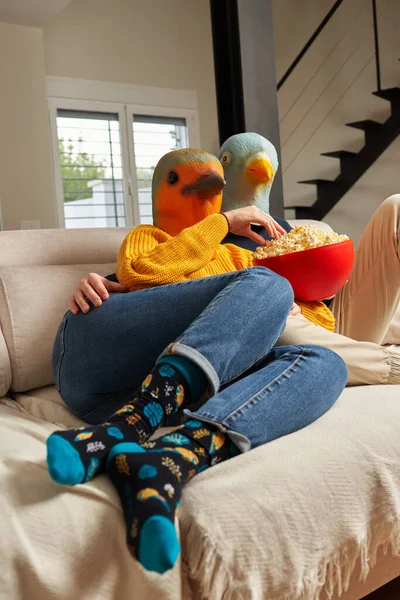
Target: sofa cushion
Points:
(32, 302)
(60, 246)
(5, 367)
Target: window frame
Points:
(64, 93)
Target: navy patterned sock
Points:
(150, 479)
(77, 455)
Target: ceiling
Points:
(35, 13)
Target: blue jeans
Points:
(228, 326)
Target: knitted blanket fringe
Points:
(211, 578)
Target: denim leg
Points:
(238, 328)
(101, 357)
(289, 389)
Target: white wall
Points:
(26, 190)
(154, 43)
(294, 22)
(332, 86)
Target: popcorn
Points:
(300, 238)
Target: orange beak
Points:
(260, 170)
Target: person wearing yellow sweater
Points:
(149, 256)
(187, 245)
(195, 336)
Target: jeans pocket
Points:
(58, 353)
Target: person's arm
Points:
(242, 258)
(150, 257)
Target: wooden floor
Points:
(390, 591)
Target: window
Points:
(152, 138)
(104, 152)
(91, 169)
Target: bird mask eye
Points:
(225, 158)
(173, 177)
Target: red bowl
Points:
(316, 273)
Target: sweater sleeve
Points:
(242, 258)
(149, 257)
(319, 314)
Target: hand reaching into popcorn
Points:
(240, 221)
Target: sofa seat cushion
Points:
(57, 542)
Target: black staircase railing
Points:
(317, 32)
(376, 41)
(378, 136)
(309, 43)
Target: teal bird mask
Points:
(250, 162)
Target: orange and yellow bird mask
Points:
(187, 187)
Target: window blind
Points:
(91, 168)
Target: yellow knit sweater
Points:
(149, 257)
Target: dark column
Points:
(245, 75)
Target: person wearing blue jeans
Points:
(191, 349)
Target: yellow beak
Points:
(260, 170)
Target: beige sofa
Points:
(301, 518)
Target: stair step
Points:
(364, 125)
(390, 94)
(340, 154)
(378, 136)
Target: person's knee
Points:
(330, 367)
(269, 281)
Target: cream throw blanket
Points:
(282, 522)
(292, 517)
